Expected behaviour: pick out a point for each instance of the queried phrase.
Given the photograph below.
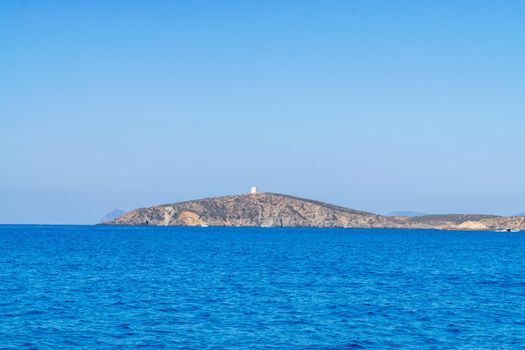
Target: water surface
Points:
(75, 287)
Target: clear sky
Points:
(375, 105)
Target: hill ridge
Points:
(270, 209)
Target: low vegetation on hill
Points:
(278, 210)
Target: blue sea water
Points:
(96, 287)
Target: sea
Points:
(109, 287)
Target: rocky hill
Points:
(462, 222)
(261, 209)
(277, 210)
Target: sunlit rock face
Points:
(278, 210)
(257, 209)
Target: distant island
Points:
(405, 213)
(279, 210)
(115, 213)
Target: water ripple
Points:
(85, 287)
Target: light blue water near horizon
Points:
(74, 287)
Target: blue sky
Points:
(375, 105)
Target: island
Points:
(278, 210)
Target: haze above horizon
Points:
(374, 105)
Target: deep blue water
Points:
(74, 287)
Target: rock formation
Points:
(277, 210)
(260, 209)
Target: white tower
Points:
(253, 190)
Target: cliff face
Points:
(277, 210)
(261, 209)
